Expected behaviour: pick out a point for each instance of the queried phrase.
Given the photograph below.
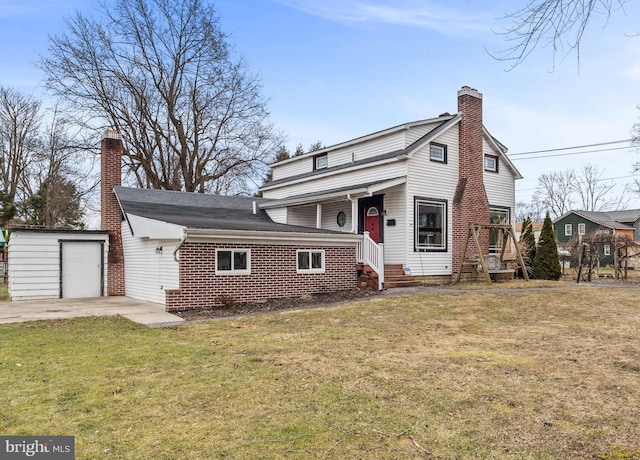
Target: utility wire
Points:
(597, 180)
(572, 148)
(569, 153)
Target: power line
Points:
(572, 148)
(570, 153)
(597, 180)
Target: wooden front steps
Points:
(394, 276)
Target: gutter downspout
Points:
(182, 241)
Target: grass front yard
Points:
(524, 374)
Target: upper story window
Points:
(582, 230)
(568, 230)
(233, 261)
(438, 152)
(320, 161)
(491, 163)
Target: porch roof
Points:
(201, 211)
(336, 194)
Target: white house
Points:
(413, 188)
(400, 199)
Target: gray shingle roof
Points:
(612, 219)
(197, 210)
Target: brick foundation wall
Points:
(110, 214)
(273, 275)
(470, 203)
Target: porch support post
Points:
(318, 216)
(354, 214)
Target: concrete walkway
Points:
(147, 313)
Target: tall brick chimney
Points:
(470, 203)
(110, 214)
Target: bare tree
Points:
(57, 180)
(594, 192)
(558, 191)
(554, 191)
(558, 24)
(162, 73)
(533, 210)
(19, 130)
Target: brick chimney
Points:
(110, 214)
(470, 203)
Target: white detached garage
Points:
(48, 264)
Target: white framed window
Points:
(491, 163)
(438, 152)
(310, 261)
(568, 230)
(582, 229)
(430, 224)
(607, 250)
(321, 161)
(233, 261)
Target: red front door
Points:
(372, 222)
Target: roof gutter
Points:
(326, 239)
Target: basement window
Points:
(491, 163)
(233, 261)
(310, 261)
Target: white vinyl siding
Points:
(437, 181)
(304, 216)
(344, 155)
(416, 132)
(34, 262)
(278, 215)
(499, 186)
(148, 271)
(394, 236)
(339, 179)
(302, 164)
(330, 216)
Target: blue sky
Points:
(339, 69)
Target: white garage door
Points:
(81, 265)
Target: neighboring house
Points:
(577, 224)
(537, 229)
(402, 198)
(414, 188)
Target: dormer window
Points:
(491, 163)
(438, 152)
(320, 161)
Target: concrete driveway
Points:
(147, 313)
